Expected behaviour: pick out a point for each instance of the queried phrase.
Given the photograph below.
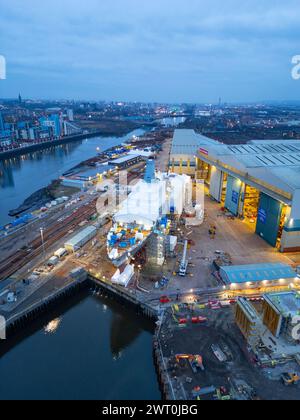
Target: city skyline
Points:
(157, 52)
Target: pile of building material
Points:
(223, 259)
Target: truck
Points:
(53, 261)
(184, 263)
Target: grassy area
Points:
(56, 190)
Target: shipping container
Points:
(61, 252)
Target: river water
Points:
(94, 349)
(21, 176)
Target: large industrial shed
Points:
(185, 146)
(80, 239)
(126, 161)
(254, 274)
(259, 182)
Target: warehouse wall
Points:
(295, 211)
(290, 241)
(183, 164)
(271, 319)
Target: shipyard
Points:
(176, 245)
(149, 204)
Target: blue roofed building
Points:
(257, 274)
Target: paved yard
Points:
(232, 236)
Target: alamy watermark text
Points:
(296, 67)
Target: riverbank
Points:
(30, 148)
(22, 176)
(46, 144)
(107, 128)
(44, 195)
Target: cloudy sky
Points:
(159, 50)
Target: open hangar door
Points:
(233, 194)
(216, 184)
(270, 219)
(251, 199)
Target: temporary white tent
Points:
(180, 193)
(124, 278)
(173, 242)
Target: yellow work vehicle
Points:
(195, 361)
(290, 379)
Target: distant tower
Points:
(70, 114)
(220, 102)
(20, 99)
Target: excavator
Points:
(195, 361)
(290, 379)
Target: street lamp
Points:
(42, 237)
(139, 267)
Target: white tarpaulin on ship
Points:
(144, 205)
(149, 201)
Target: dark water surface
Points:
(92, 349)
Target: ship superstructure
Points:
(150, 201)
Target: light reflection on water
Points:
(95, 350)
(52, 326)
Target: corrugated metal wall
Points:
(271, 319)
(268, 219)
(215, 188)
(233, 194)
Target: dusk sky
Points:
(159, 50)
